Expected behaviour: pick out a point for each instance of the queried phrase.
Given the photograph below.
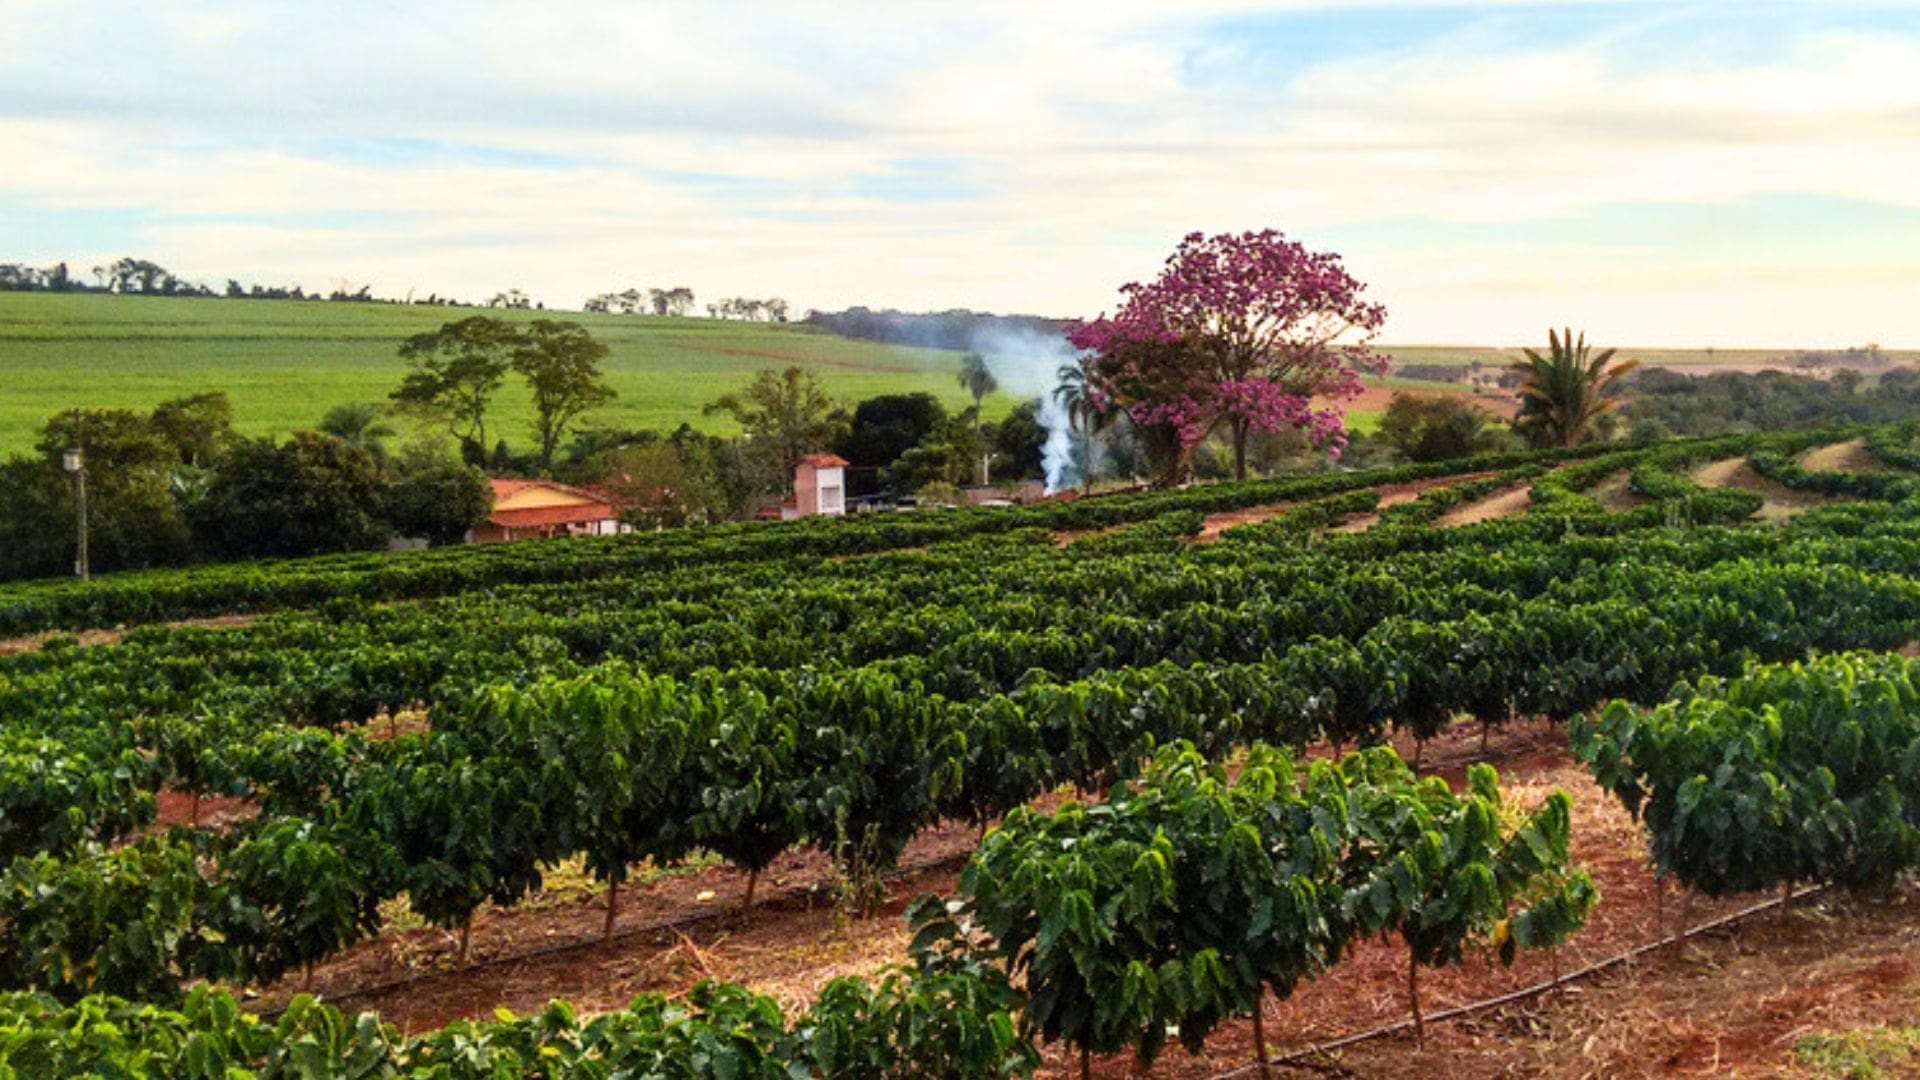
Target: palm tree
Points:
(978, 380)
(361, 424)
(1075, 394)
(1567, 390)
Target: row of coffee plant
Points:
(1183, 900)
(271, 585)
(1177, 903)
(617, 765)
(747, 705)
(1799, 773)
(947, 1013)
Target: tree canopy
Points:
(887, 426)
(787, 413)
(456, 369)
(561, 363)
(436, 496)
(311, 494)
(1250, 331)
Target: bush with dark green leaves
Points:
(949, 1012)
(1443, 870)
(54, 795)
(438, 503)
(135, 920)
(1790, 773)
(1439, 427)
(311, 494)
(1185, 898)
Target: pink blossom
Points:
(1245, 329)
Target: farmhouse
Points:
(530, 509)
(819, 487)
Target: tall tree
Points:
(141, 276)
(787, 412)
(456, 369)
(1019, 441)
(884, 428)
(36, 532)
(950, 453)
(1243, 331)
(561, 363)
(1087, 413)
(1564, 392)
(133, 514)
(977, 379)
(663, 484)
(115, 441)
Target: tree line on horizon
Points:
(143, 277)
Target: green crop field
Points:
(285, 362)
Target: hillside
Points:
(285, 362)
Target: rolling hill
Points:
(285, 362)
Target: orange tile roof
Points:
(504, 486)
(551, 515)
(824, 461)
(593, 508)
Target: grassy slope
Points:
(284, 363)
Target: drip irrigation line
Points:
(1301, 1058)
(798, 892)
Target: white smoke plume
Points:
(1026, 362)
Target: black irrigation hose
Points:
(798, 892)
(1299, 1058)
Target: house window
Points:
(830, 498)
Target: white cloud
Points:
(1056, 151)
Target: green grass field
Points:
(284, 363)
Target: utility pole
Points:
(75, 462)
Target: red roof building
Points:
(819, 487)
(529, 509)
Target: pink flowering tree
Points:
(1249, 332)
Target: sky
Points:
(1735, 173)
